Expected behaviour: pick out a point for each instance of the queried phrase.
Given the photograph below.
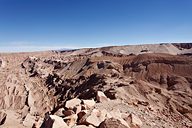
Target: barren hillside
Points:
(118, 87)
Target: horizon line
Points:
(31, 48)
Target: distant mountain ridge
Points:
(168, 48)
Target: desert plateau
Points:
(132, 86)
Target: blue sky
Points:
(27, 25)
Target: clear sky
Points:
(51, 24)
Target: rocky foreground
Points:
(139, 86)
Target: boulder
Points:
(101, 97)
(89, 103)
(53, 121)
(70, 104)
(112, 123)
(94, 118)
(2, 117)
